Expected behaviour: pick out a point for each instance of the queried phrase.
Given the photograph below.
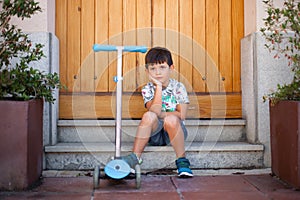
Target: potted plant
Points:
(23, 90)
(282, 32)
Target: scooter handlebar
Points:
(141, 49)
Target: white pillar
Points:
(41, 29)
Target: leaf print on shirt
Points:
(174, 94)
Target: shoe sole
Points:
(185, 175)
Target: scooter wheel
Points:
(96, 177)
(138, 176)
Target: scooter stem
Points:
(118, 122)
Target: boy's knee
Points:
(149, 117)
(171, 121)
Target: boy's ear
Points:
(172, 67)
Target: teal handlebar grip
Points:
(141, 49)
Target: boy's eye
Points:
(161, 67)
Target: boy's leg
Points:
(172, 125)
(148, 123)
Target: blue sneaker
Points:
(183, 168)
(132, 160)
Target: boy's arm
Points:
(181, 110)
(155, 105)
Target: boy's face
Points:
(160, 72)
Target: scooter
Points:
(118, 168)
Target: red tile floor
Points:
(156, 187)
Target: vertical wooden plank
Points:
(143, 16)
(158, 23)
(199, 52)
(110, 22)
(225, 38)
(61, 7)
(101, 37)
(237, 34)
(87, 42)
(212, 45)
(186, 43)
(73, 45)
(172, 32)
(115, 15)
(129, 38)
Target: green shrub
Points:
(19, 81)
(282, 33)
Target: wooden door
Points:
(203, 36)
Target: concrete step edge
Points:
(126, 147)
(189, 122)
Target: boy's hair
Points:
(158, 55)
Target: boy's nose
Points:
(157, 71)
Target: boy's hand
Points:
(155, 81)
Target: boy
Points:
(166, 101)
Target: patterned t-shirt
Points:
(172, 95)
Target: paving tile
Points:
(66, 185)
(148, 183)
(284, 194)
(152, 187)
(55, 188)
(213, 184)
(137, 196)
(223, 195)
(254, 187)
(272, 187)
(46, 196)
(266, 183)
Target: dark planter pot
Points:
(21, 143)
(285, 141)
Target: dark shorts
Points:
(160, 137)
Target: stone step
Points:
(202, 155)
(104, 130)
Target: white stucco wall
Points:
(43, 21)
(254, 11)
(260, 75)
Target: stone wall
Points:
(260, 75)
(50, 63)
